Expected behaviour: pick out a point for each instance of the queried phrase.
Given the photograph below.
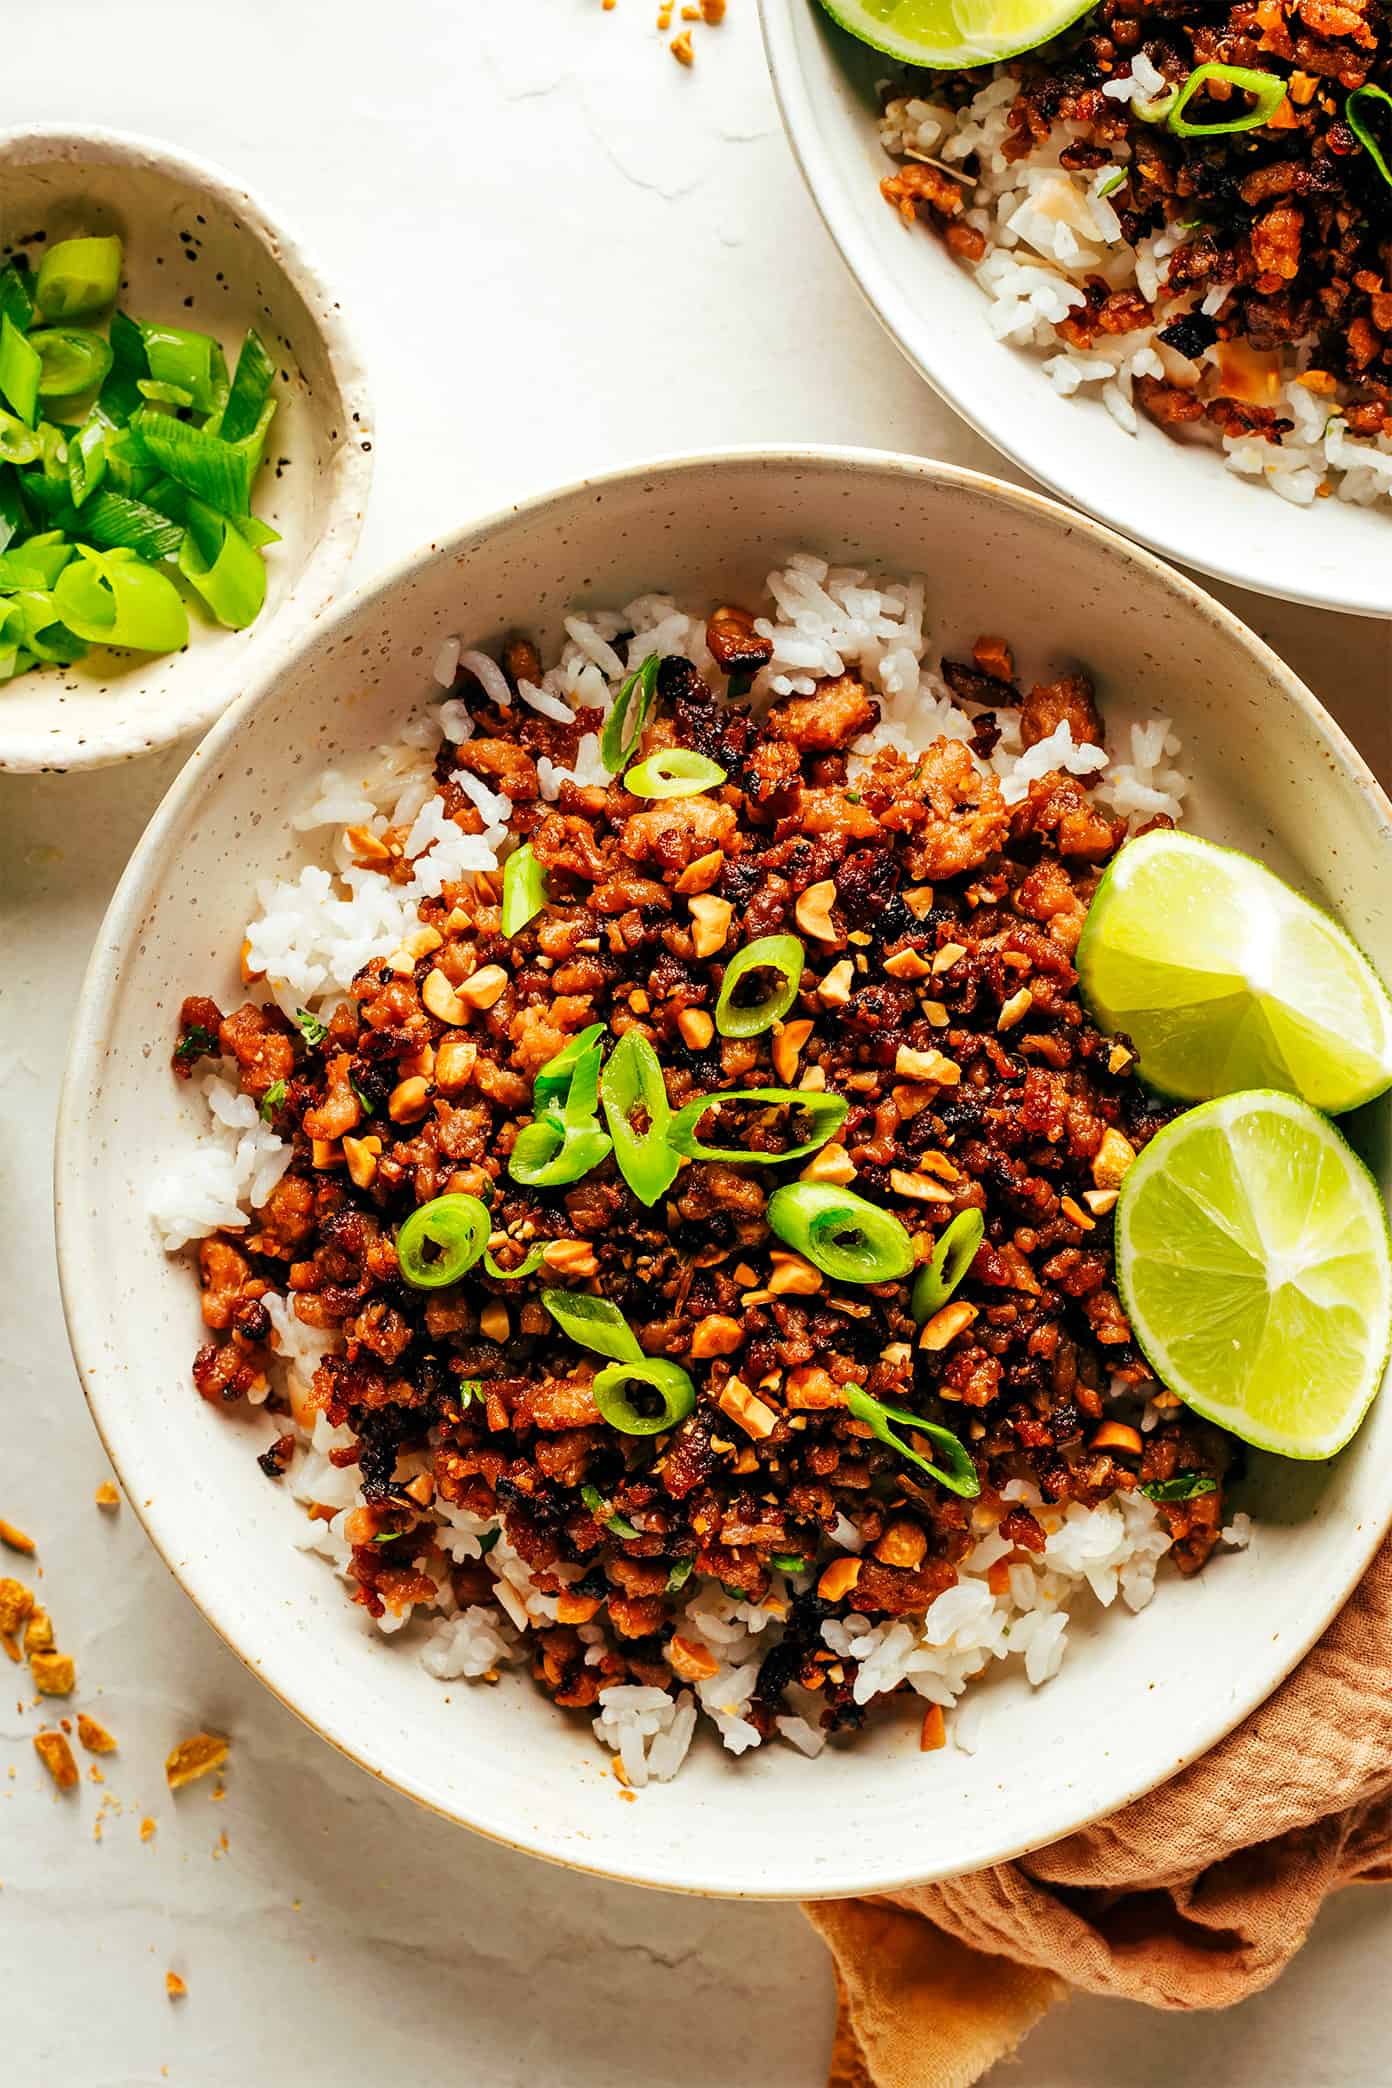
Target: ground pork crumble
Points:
(938, 997)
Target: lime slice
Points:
(947, 34)
(1224, 978)
(1252, 1257)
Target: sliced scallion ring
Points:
(526, 1267)
(780, 954)
(71, 359)
(827, 1112)
(1365, 106)
(623, 728)
(593, 1323)
(1267, 90)
(78, 277)
(456, 1227)
(524, 889)
(676, 1395)
(19, 371)
(673, 772)
(111, 598)
(844, 1235)
(957, 1472)
(632, 1082)
(549, 1153)
(952, 1256)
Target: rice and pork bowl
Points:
(667, 1223)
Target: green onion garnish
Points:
(623, 728)
(18, 442)
(961, 1475)
(529, 1263)
(827, 1112)
(457, 1227)
(271, 1100)
(680, 1575)
(676, 1395)
(310, 1027)
(19, 371)
(195, 1043)
(16, 300)
(593, 1323)
(217, 471)
(1185, 1486)
(112, 598)
(216, 560)
(631, 1083)
(1363, 106)
(36, 562)
(788, 1562)
(1266, 89)
(603, 1513)
(78, 277)
(548, 1154)
(250, 389)
(844, 1235)
(72, 359)
(952, 1256)
(781, 954)
(121, 395)
(87, 458)
(524, 889)
(190, 363)
(673, 772)
(553, 1082)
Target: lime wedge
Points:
(1252, 1257)
(1224, 978)
(947, 34)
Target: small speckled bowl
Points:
(1138, 1696)
(200, 252)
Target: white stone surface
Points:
(560, 251)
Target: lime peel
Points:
(946, 35)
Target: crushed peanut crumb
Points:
(106, 1495)
(193, 1758)
(54, 1752)
(16, 1539)
(95, 1738)
(174, 1986)
(54, 1674)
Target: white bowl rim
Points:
(333, 549)
(72, 1159)
(901, 317)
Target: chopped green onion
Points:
(487, 1541)
(217, 471)
(160, 394)
(1158, 110)
(844, 1235)
(271, 1100)
(680, 1575)
(16, 301)
(673, 772)
(13, 515)
(187, 361)
(788, 1562)
(603, 1513)
(827, 1112)
(1267, 91)
(632, 1081)
(555, 1076)
(457, 1227)
(952, 1256)
(87, 458)
(1185, 1486)
(111, 521)
(18, 442)
(524, 889)
(111, 598)
(593, 1323)
(1112, 183)
(77, 277)
(232, 579)
(623, 728)
(19, 371)
(33, 618)
(674, 1389)
(782, 954)
(469, 1389)
(196, 1043)
(525, 1267)
(960, 1477)
(310, 1027)
(250, 388)
(120, 394)
(72, 359)
(1364, 104)
(36, 562)
(549, 1154)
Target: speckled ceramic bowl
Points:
(1178, 498)
(199, 251)
(1139, 1696)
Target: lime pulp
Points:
(947, 34)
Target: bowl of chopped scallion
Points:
(185, 446)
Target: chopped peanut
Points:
(1015, 1009)
(919, 900)
(421, 1490)
(440, 998)
(54, 1674)
(95, 1738)
(701, 875)
(747, 1411)
(1100, 1201)
(681, 48)
(716, 1335)
(485, 987)
(938, 1164)
(193, 1758)
(174, 1986)
(788, 1040)
(640, 1002)
(245, 966)
(1076, 1215)
(832, 1164)
(421, 943)
(15, 1539)
(710, 923)
(903, 1544)
(38, 1633)
(922, 1187)
(323, 1152)
(906, 964)
(57, 1757)
(106, 1495)
(909, 1099)
(946, 1325)
(1117, 1435)
(570, 1258)
(813, 911)
(791, 1274)
(408, 1100)
(811, 1390)
(835, 989)
(1118, 1059)
(362, 1155)
(367, 848)
(693, 1663)
(933, 1732)
(455, 1058)
(931, 1065)
(16, 1603)
(1112, 1159)
(838, 1579)
(494, 1321)
(576, 1609)
(946, 957)
(696, 1027)
(934, 1013)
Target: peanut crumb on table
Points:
(95, 1738)
(193, 1758)
(16, 1539)
(57, 1757)
(107, 1496)
(174, 1986)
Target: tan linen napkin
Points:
(1194, 1897)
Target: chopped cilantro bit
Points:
(272, 1100)
(310, 1027)
(603, 1513)
(195, 1043)
(488, 1540)
(1183, 1487)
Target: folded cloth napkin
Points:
(1194, 1897)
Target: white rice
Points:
(314, 930)
(1048, 229)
